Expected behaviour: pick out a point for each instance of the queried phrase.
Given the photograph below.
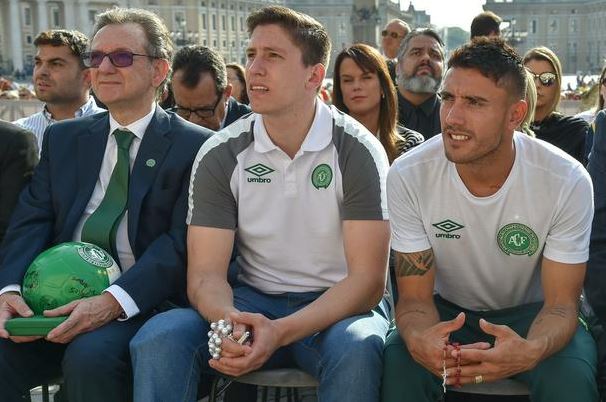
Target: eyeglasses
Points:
(119, 58)
(203, 112)
(394, 35)
(546, 79)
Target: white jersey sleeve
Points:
(407, 231)
(568, 239)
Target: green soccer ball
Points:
(67, 272)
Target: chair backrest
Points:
(286, 378)
(272, 378)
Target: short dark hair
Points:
(76, 41)
(486, 23)
(306, 32)
(195, 60)
(418, 32)
(494, 59)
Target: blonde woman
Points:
(531, 100)
(566, 132)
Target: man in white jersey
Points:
(491, 232)
(301, 187)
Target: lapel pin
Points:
(150, 163)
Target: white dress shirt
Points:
(123, 248)
(125, 253)
(37, 123)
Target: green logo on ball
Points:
(95, 255)
(321, 176)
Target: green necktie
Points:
(100, 228)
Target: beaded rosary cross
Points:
(457, 347)
(219, 331)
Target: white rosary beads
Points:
(219, 331)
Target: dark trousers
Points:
(566, 376)
(95, 366)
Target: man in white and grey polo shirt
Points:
(301, 186)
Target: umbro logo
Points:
(259, 170)
(448, 226)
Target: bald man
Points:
(392, 36)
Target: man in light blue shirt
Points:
(60, 80)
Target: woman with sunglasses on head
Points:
(364, 90)
(566, 132)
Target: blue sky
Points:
(448, 12)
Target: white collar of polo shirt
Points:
(317, 138)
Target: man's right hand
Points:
(233, 349)
(427, 347)
(13, 305)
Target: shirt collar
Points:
(137, 127)
(87, 107)
(429, 105)
(47, 114)
(317, 138)
(82, 111)
(227, 103)
(426, 107)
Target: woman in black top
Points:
(364, 90)
(566, 132)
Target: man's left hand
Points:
(510, 355)
(84, 315)
(264, 344)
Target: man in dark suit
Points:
(18, 157)
(132, 165)
(201, 91)
(595, 279)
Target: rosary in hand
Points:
(457, 347)
(219, 331)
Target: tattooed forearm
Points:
(553, 327)
(411, 264)
(562, 312)
(557, 311)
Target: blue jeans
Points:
(170, 352)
